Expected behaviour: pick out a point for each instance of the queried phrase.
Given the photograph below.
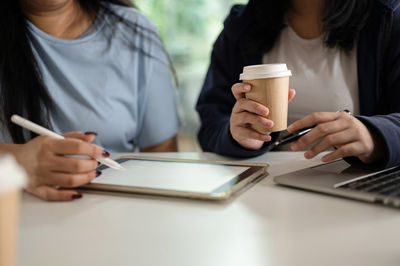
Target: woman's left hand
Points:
(346, 133)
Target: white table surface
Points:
(265, 225)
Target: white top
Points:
(325, 79)
(12, 175)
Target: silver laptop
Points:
(340, 179)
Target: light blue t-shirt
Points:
(115, 80)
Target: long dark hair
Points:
(22, 90)
(343, 20)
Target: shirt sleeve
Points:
(216, 101)
(160, 120)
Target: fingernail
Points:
(76, 196)
(98, 173)
(91, 133)
(105, 154)
(247, 87)
(307, 155)
(289, 128)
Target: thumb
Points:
(292, 93)
(87, 136)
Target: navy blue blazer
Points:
(378, 62)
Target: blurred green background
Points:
(188, 29)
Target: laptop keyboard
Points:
(385, 183)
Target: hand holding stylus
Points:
(49, 165)
(45, 132)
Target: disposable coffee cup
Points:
(270, 87)
(12, 179)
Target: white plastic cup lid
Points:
(12, 175)
(265, 71)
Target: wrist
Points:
(378, 151)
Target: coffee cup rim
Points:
(265, 71)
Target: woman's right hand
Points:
(246, 113)
(49, 165)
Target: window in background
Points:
(188, 29)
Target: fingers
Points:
(90, 136)
(50, 166)
(246, 119)
(52, 194)
(329, 141)
(67, 172)
(320, 131)
(47, 187)
(248, 133)
(313, 119)
(71, 164)
(87, 136)
(351, 149)
(74, 135)
(239, 90)
(245, 114)
(346, 133)
(249, 138)
(250, 106)
(76, 147)
(67, 180)
(244, 134)
(292, 93)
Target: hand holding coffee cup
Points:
(261, 107)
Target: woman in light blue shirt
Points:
(74, 66)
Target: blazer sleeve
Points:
(216, 101)
(387, 124)
(387, 128)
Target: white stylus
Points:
(45, 132)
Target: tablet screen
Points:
(178, 176)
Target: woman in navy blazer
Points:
(375, 29)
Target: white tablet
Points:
(181, 178)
